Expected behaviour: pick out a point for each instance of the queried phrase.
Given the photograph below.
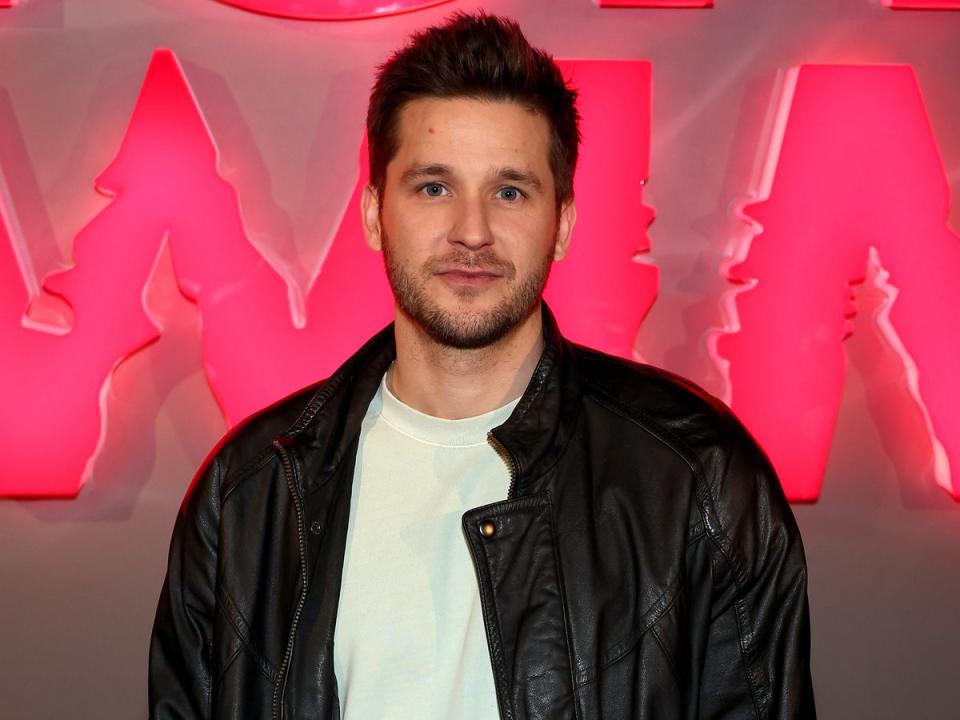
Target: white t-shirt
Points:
(409, 639)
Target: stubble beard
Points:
(466, 329)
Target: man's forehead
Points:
(459, 105)
(462, 114)
(455, 132)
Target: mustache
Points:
(479, 261)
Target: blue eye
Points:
(510, 193)
(433, 189)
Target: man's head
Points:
(476, 56)
(473, 140)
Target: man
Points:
(473, 518)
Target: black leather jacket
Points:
(645, 563)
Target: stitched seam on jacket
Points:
(745, 644)
(226, 666)
(707, 501)
(671, 662)
(258, 461)
(239, 624)
(614, 654)
(745, 649)
(254, 464)
(322, 394)
(704, 492)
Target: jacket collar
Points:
(539, 429)
(534, 435)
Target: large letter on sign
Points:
(601, 291)
(858, 174)
(54, 383)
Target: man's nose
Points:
(471, 224)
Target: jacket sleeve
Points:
(757, 661)
(180, 674)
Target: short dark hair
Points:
(477, 56)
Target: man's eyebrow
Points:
(434, 170)
(418, 172)
(520, 176)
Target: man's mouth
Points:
(468, 276)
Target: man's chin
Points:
(459, 298)
(470, 328)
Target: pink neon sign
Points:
(854, 172)
(869, 185)
(165, 187)
(922, 4)
(362, 9)
(332, 9)
(654, 3)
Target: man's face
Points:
(468, 222)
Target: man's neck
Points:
(449, 383)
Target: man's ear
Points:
(565, 223)
(370, 217)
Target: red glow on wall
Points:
(332, 9)
(854, 172)
(262, 336)
(7, 3)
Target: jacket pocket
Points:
(638, 678)
(243, 679)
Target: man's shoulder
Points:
(650, 395)
(251, 441)
(700, 428)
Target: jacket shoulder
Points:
(662, 401)
(699, 427)
(249, 443)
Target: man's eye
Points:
(433, 189)
(510, 193)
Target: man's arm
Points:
(180, 681)
(757, 662)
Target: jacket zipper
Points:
(281, 673)
(508, 459)
(511, 464)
